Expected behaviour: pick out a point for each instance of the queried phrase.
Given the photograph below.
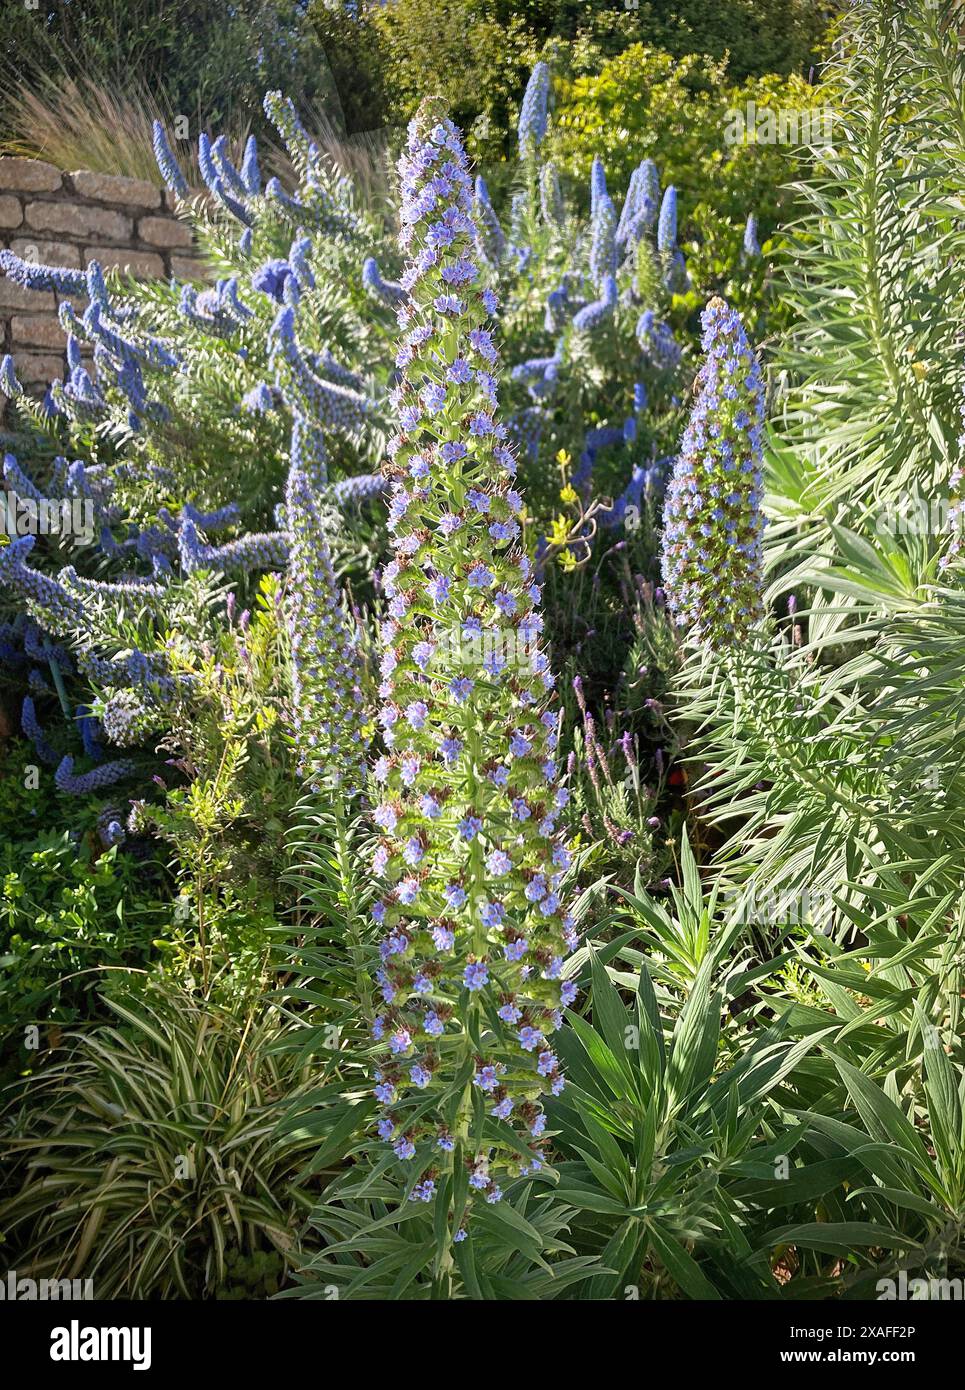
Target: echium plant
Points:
(327, 701)
(475, 923)
(712, 554)
(533, 111)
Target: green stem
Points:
(58, 679)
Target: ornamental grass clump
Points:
(711, 559)
(471, 864)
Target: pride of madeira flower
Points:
(327, 701)
(471, 865)
(711, 560)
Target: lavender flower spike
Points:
(603, 255)
(330, 406)
(594, 313)
(167, 164)
(31, 727)
(263, 550)
(667, 224)
(46, 599)
(533, 111)
(79, 784)
(358, 489)
(9, 384)
(598, 188)
(385, 290)
(327, 702)
(472, 906)
(711, 559)
(42, 277)
(250, 173)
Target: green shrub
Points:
(356, 57)
(69, 912)
(757, 36)
(209, 63)
(646, 103)
(467, 54)
(477, 53)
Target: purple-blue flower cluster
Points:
(660, 348)
(30, 725)
(533, 111)
(45, 598)
(667, 223)
(385, 290)
(82, 783)
(328, 708)
(711, 557)
(327, 404)
(257, 551)
(168, 166)
(473, 909)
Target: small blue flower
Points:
(475, 975)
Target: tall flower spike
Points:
(46, 599)
(667, 225)
(356, 490)
(385, 290)
(711, 560)
(476, 928)
(331, 406)
(594, 313)
(80, 784)
(327, 702)
(229, 174)
(533, 111)
(598, 188)
(265, 550)
(307, 453)
(649, 197)
(167, 164)
(250, 173)
(640, 205)
(31, 727)
(603, 254)
(18, 481)
(9, 384)
(550, 196)
(490, 238)
(628, 213)
(42, 277)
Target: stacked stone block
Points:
(70, 219)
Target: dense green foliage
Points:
(478, 52)
(159, 1138)
(209, 64)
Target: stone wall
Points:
(54, 218)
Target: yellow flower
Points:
(559, 531)
(568, 494)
